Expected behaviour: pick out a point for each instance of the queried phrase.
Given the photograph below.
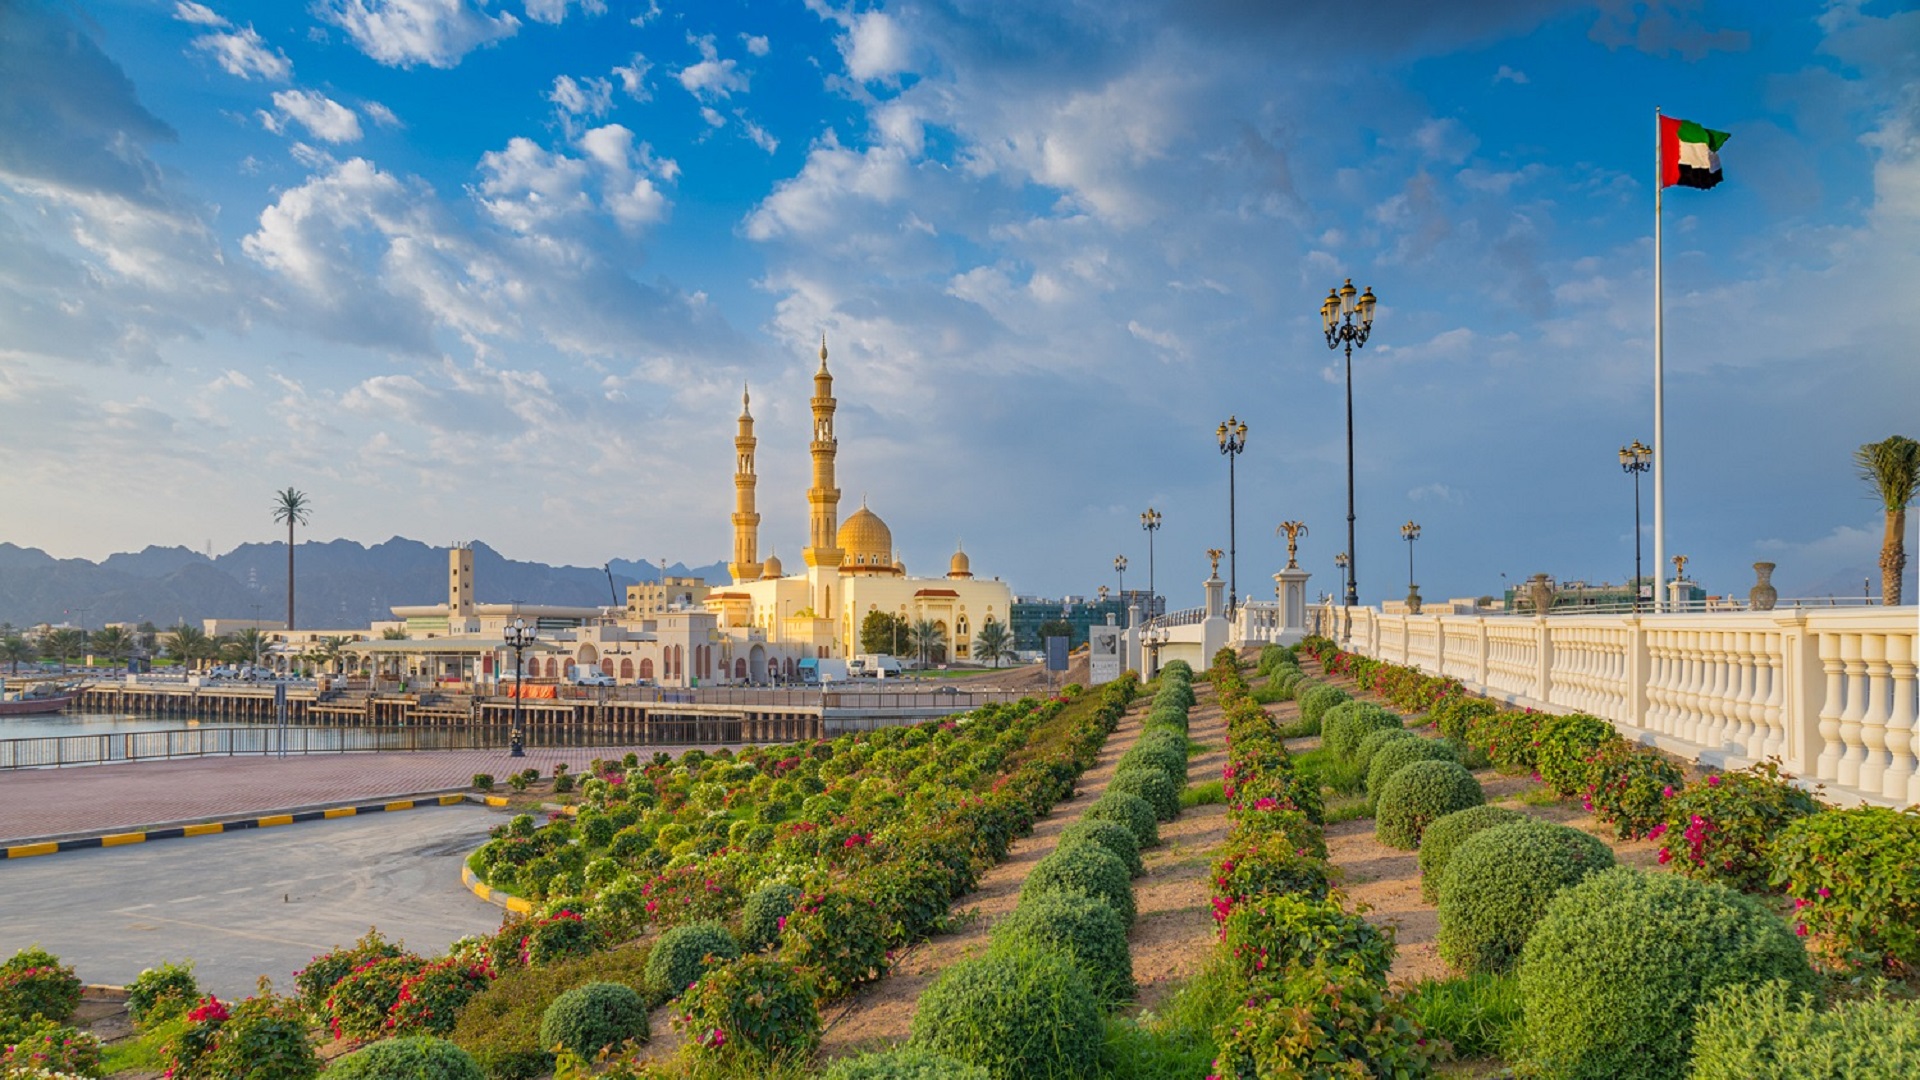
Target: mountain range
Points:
(341, 584)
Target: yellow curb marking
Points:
(208, 829)
(277, 819)
(22, 851)
(524, 907)
(339, 812)
(452, 800)
(496, 800)
(123, 838)
(404, 805)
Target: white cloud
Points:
(760, 136)
(381, 114)
(712, 116)
(537, 192)
(402, 33)
(1160, 339)
(554, 12)
(582, 98)
(875, 47)
(757, 44)
(198, 14)
(322, 116)
(245, 54)
(633, 78)
(711, 79)
(1512, 75)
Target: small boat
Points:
(35, 699)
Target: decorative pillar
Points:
(1290, 588)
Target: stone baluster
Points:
(1713, 718)
(1773, 709)
(1873, 721)
(1687, 650)
(1902, 781)
(1831, 663)
(1852, 750)
(1656, 693)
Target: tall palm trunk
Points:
(289, 573)
(1893, 557)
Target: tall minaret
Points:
(823, 499)
(746, 522)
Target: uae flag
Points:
(1689, 153)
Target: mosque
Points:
(851, 568)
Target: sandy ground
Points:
(1175, 932)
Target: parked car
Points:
(586, 676)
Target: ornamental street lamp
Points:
(1347, 322)
(1636, 459)
(1342, 562)
(519, 637)
(1411, 532)
(1150, 521)
(1232, 434)
(1120, 569)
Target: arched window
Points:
(646, 667)
(740, 668)
(569, 667)
(606, 666)
(626, 668)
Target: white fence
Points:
(1830, 691)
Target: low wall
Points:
(1831, 692)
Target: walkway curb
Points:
(492, 895)
(52, 846)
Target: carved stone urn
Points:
(1541, 591)
(1413, 600)
(1763, 595)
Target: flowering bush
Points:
(161, 992)
(836, 939)
(1506, 736)
(358, 1006)
(749, 1013)
(1268, 866)
(1564, 746)
(765, 912)
(51, 1047)
(313, 983)
(1266, 937)
(1627, 787)
(564, 933)
(1499, 883)
(33, 982)
(430, 997)
(1456, 714)
(590, 1018)
(1851, 874)
(261, 1038)
(1321, 1024)
(1722, 828)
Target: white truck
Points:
(874, 666)
(815, 671)
(583, 675)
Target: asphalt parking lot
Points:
(260, 902)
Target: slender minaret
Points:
(746, 522)
(823, 499)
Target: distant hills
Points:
(342, 584)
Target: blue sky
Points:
(498, 271)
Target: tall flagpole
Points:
(1659, 387)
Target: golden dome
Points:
(865, 541)
(770, 569)
(960, 566)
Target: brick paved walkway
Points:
(38, 803)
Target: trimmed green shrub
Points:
(1163, 750)
(500, 1026)
(1447, 833)
(682, 953)
(33, 982)
(1616, 970)
(416, 1057)
(1088, 869)
(1130, 810)
(904, 1063)
(1088, 930)
(1346, 725)
(1418, 795)
(1563, 745)
(1111, 835)
(1774, 1033)
(483, 781)
(1150, 784)
(761, 916)
(1499, 883)
(1018, 1013)
(162, 992)
(1851, 876)
(590, 1018)
(1369, 746)
(1400, 753)
(1316, 1025)
(1269, 937)
(749, 1014)
(1315, 701)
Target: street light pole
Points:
(1343, 562)
(1120, 569)
(1347, 321)
(1232, 434)
(1636, 459)
(518, 637)
(1150, 521)
(1410, 532)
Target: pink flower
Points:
(1824, 892)
(1665, 856)
(1798, 903)
(1713, 781)
(1659, 830)
(1667, 792)
(1801, 929)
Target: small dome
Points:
(960, 566)
(770, 569)
(865, 541)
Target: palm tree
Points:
(328, 651)
(17, 650)
(65, 644)
(992, 642)
(393, 633)
(291, 507)
(186, 643)
(114, 643)
(1892, 468)
(248, 643)
(927, 639)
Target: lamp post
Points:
(518, 637)
(1636, 459)
(1232, 434)
(1120, 569)
(1343, 562)
(1411, 532)
(1347, 322)
(1150, 521)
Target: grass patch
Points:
(1539, 796)
(143, 1053)
(1175, 1043)
(1331, 772)
(1479, 1014)
(1348, 808)
(1271, 694)
(1207, 794)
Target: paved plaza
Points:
(242, 905)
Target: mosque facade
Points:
(849, 569)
